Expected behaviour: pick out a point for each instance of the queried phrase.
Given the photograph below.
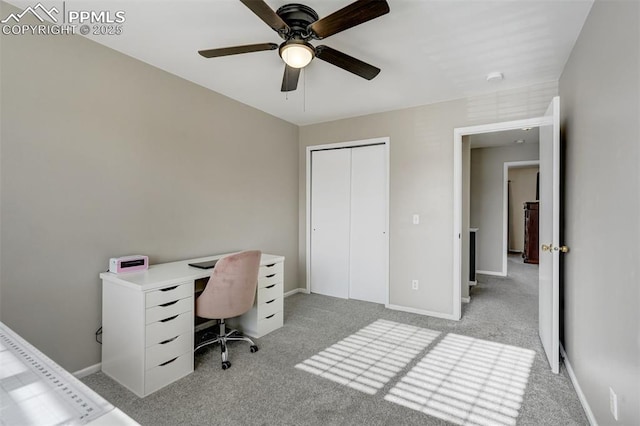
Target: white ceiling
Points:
(428, 50)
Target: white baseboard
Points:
(295, 291)
(420, 312)
(89, 370)
(493, 273)
(465, 299)
(576, 386)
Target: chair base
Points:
(223, 337)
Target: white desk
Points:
(148, 320)
(35, 390)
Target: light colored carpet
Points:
(273, 386)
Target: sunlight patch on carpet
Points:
(467, 381)
(372, 356)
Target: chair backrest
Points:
(231, 289)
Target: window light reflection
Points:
(372, 356)
(467, 381)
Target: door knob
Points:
(550, 247)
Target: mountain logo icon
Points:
(38, 11)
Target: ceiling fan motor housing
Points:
(298, 17)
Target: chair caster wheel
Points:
(225, 365)
(253, 348)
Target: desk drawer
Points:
(269, 280)
(269, 308)
(169, 309)
(273, 291)
(171, 348)
(270, 270)
(168, 294)
(270, 323)
(160, 331)
(162, 375)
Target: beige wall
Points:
(487, 199)
(103, 155)
(599, 97)
(421, 181)
(523, 188)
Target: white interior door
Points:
(330, 222)
(368, 248)
(549, 236)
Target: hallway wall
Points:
(487, 199)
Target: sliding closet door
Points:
(368, 245)
(330, 217)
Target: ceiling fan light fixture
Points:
(296, 53)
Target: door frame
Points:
(339, 145)
(458, 133)
(505, 205)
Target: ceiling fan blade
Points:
(346, 62)
(290, 79)
(235, 50)
(354, 14)
(264, 12)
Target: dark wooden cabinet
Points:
(531, 245)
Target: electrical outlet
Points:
(613, 403)
(414, 284)
(416, 219)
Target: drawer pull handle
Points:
(167, 362)
(169, 319)
(164, 342)
(270, 301)
(270, 276)
(169, 288)
(164, 305)
(270, 286)
(269, 316)
(270, 266)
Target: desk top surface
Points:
(163, 274)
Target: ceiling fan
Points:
(296, 24)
